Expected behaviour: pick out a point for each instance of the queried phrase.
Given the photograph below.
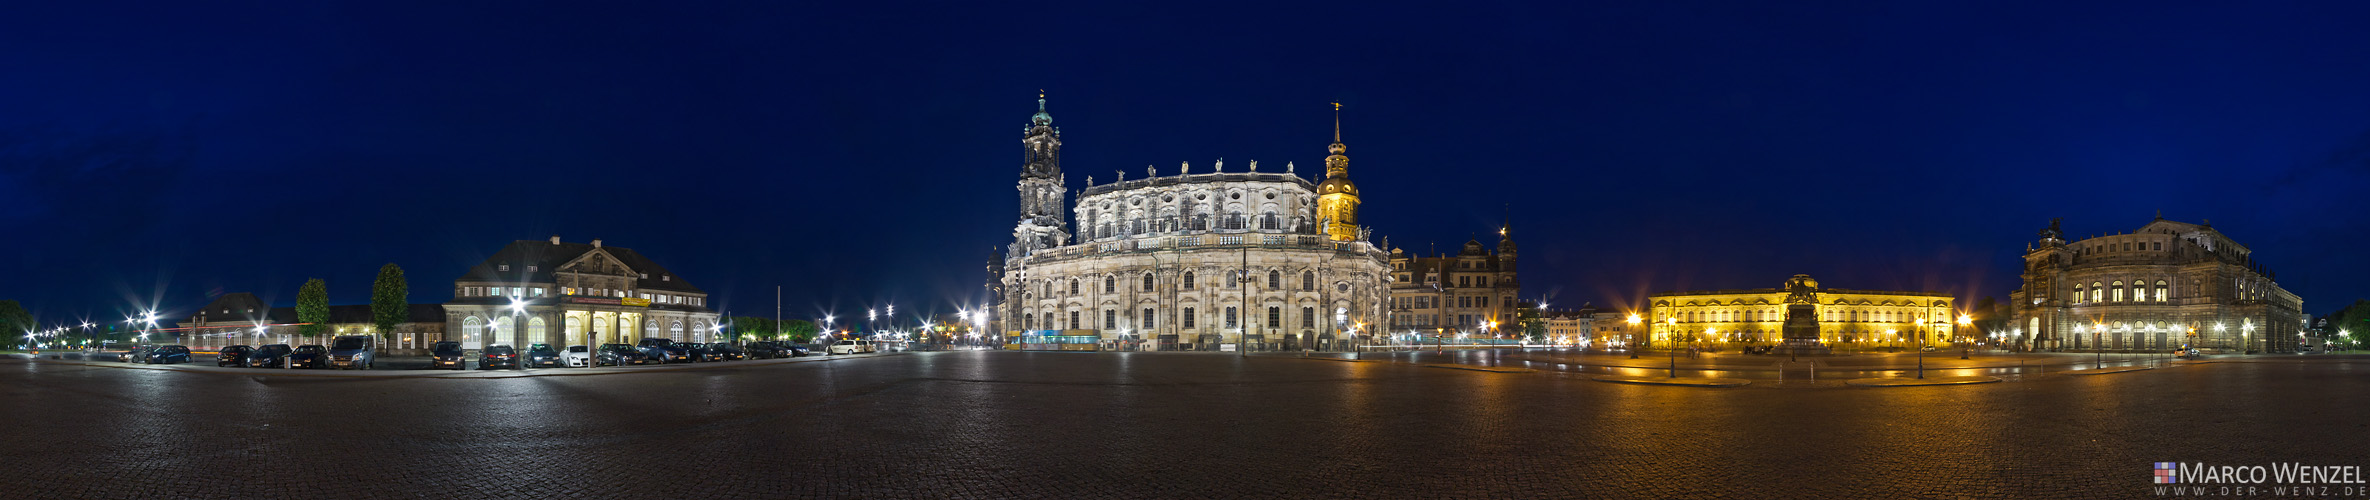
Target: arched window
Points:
(1110, 284)
(472, 333)
(2098, 292)
(1274, 280)
(1189, 280)
(1147, 282)
(2078, 296)
(2118, 290)
(2159, 290)
(1073, 286)
(1308, 281)
(536, 330)
(575, 331)
(676, 332)
(1028, 322)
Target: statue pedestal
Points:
(1801, 332)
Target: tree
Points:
(390, 300)
(14, 322)
(1989, 318)
(799, 330)
(312, 307)
(2353, 320)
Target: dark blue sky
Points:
(859, 153)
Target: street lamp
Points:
(1921, 346)
(1673, 332)
(1633, 335)
(1964, 322)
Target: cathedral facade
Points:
(2164, 286)
(1189, 261)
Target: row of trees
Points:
(390, 303)
(755, 328)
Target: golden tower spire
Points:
(1337, 197)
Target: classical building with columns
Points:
(2165, 285)
(552, 292)
(1848, 318)
(1191, 260)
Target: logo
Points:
(2167, 472)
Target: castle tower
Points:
(1043, 215)
(1337, 197)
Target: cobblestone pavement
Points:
(1146, 425)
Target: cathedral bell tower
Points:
(1337, 197)
(1042, 192)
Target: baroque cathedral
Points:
(1187, 261)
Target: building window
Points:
(1308, 317)
(1481, 302)
(504, 268)
(1275, 280)
(1189, 280)
(2098, 292)
(2159, 290)
(1073, 320)
(1308, 281)
(1230, 318)
(1188, 317)
(1275, 317)
(1110, 284)
(1073, 286)
(1145, 321)
(1147, 282)
(2158, 246)
(1464, 302)
(1464, 281)
(1482, 281)
(1110, 319)
(2118, 291)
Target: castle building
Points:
(1266, 260)
(2166, 285)
(1470, 293)
(563, 294)
(1850, 318)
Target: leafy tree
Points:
(390, 300)
(799, 330)
(1535, 328)
(2354, 320)
(1989, 317)
(14, 322)
(312, 307)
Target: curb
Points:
(1491, 369)
(464, 374)
(1680, 381)
(2106, 371)
(1913, 382)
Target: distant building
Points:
(1853, 318)
(1570, 326)
(2167, 284)
(549, 292)
(1472, 292)
(1612, 328)
(243, 319)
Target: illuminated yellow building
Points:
(1337, 197)
(1755, 316)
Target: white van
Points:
(850, 347)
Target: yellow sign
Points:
(630, 301)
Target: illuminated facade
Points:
(2166, 285)
(1470, 293)
(549, 292)
(1850, 317)
(243, 319)
(1161, 260)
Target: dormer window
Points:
(645, 275)
(503, 268)
(664, 278)
(531, 269)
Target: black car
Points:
(540, 355)
(165, 355)
(700, 351)
(309, 356)
(727, 352)
(664, 350)
(269, 356)
(620, 354)
(797, 350)
(498, 356)
(233, 356)
(765, 349)
(448, 354)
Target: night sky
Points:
(153, 154)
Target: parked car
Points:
(137, 354)
(620, 355)
(577, 356)
(498, 356)
(309, 356)
(797, 350)
(448, 354)
(353, 351)
(165, 355)
(725, 351)
(233, 356)
(540, 355)
(700, 351)
(664, 350)
(767, 349)
(850, 347)
(269, 356)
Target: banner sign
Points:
(610, 301)
(630, 301)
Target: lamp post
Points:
(1674, 342)
(1964, 322)
(1633, 335)
(2095, 332)
(1923, 330)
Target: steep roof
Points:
(543, 256)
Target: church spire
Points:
(1337, 197)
